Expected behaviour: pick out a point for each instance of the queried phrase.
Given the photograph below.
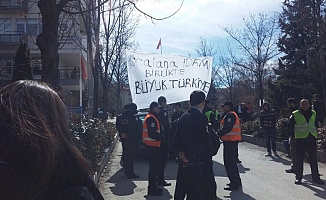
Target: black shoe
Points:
(319, 181)
(155, 191)
(131, 176)
(298, 181)
(230, 188)
(160, 184)
(289, 170)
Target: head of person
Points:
(162, 101)
(133, 108)
(177, 107)
(290, 102)
(35, 140)
(304, 104)
(154, 107)
(315, 96)
(197, 99)
(266, 106)
(126, 107)
(227, 106)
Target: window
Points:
(7, 25)
(32, 26)
(9, 3)
(21, 25)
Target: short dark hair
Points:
(153, 105)
(177, 104)
(161, 99)
(196, 97)
(132, 106)
(290, 100)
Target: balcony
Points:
(13, 6)
(68, 76)
(12, 37)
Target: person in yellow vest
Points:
(230, 134)
(152, 138)
(302, 127)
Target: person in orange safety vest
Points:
(152, 138)
(230, 134)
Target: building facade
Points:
(21, 22)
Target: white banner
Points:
(174, 77)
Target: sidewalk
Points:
(262, 178)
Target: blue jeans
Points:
(269, 134)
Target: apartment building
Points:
(21, 22)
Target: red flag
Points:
(83, 69)
(159, 44)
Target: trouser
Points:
(129, 154)
(230, 153)
(162, 164)
(293, 150)
(302, 145)
(269, 134)
(154, 162)
(195, 181)
(286, 145)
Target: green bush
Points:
(92, 137)
(252, 128)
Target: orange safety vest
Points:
(146, 139)
(235, 133)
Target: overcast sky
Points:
(197, 18)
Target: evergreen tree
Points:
(301, 23)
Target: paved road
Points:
(262, 178)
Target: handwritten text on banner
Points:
(175, 77)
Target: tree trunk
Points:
(48, 42)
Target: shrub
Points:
(251, 128)
(92, 137)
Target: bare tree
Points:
(207, 49)
(226, 76)
(257, 49)
(48, 42)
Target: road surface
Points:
(262, 178)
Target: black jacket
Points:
(193, 138)
(130, 124)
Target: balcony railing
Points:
(12, 37)
(10, 5)
(68, 76)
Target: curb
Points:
(321, 156)
(105, 159)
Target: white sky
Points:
(197, 18)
